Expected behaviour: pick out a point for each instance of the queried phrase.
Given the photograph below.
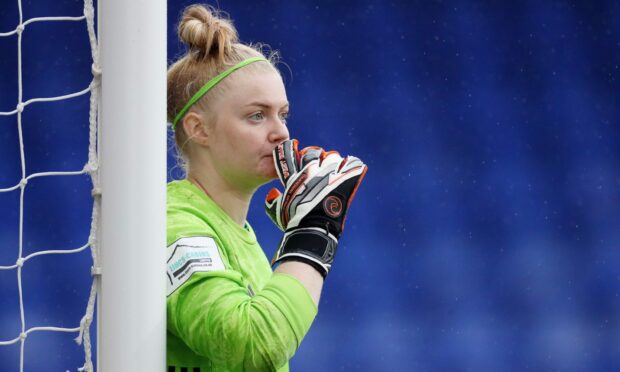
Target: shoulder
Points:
(180, 192)
(186, 213)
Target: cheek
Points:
(269, 169)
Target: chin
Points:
(269, 176)
(266, 172)
(260, 176)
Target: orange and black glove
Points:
(318, 189)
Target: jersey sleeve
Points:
(211, 310)
(217, 318)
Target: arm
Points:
(216, 317)
(307, 275)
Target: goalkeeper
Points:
(227, 310)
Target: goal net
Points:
(82, 186)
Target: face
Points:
(250, 121)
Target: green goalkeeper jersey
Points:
(227, 311)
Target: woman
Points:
(227, 310)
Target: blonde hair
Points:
(212, 47)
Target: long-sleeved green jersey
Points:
(227, 311)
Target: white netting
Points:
(91, 168)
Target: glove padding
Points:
(318, 189)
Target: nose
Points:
(278, 133)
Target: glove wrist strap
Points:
(311, 245)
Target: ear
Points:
(195, 127)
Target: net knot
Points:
(23, 182)
(23, 335)
(96, 70)
(80, 336)
(91, 167)
(20, 262)
(20, 28)
(20, 107)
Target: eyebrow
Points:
(264, 105)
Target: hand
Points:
(318, 189)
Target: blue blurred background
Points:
(486, 234)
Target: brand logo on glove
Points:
(333, 206)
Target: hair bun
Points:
(207, 33)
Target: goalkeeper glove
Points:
(318, 189)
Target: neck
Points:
(233, 201)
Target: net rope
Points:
(91, 168)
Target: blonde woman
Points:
(227, 310)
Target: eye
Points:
(257, 116)
(284, 117)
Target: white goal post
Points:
(132, 294)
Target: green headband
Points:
(210, 84)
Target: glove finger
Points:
(272, 196)
(348, 168)
(349, 163)
(330, 159)
(273, 201)
(286, 159)
(308, 155)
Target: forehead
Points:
(261, 84)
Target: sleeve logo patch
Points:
(190, 255)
